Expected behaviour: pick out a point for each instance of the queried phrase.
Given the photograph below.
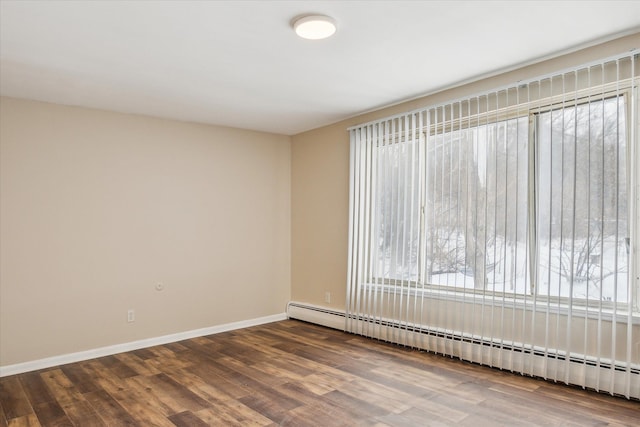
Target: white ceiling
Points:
(239, 63)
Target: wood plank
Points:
(244, 353)
(25, 421)
(35, 388)
(360, 409)
(417, 417)
(53, 413)
(530, 410)
(173, 394)
(117, 367)
(103, 377)
(187, 419)
(83, 382)
(81, 413)
(235, 389)
(211, 391)
(142, 405)
(61, 388)
(3, 418)
(283, 371)
(274, 409)
(109, 410)
(319, 414)
(179, 347)
(391, 400)
(252, 375)
(415, 377)
(144, 353)
(232, 413)
(14, 400)
(315, 404)
(365, 371)
(137, 365)
(166, 360)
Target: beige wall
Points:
(97, 207)
(320, 179)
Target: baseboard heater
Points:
(601, 376)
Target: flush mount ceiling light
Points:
(314, 27)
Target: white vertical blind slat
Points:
(424, 182)
(601, 189)
(414, 225)
(585, 319)
(614, 323)
(634, 264)
(483, 234)
(360, 224)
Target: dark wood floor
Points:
(297, 374)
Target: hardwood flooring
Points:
(295, 374)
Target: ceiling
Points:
(239, 63)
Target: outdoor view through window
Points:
(528, 204)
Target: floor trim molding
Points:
(48, 362)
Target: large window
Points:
(526, 198)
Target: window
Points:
(398, 210)
(504, 195)
(476, 216)
(582, 211)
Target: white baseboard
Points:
(316, 314)
(48, 362)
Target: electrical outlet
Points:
(131, 316)
(327, 297)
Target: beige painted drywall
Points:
(320, 179)
(97, 207)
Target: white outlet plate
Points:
(327, 297)
(131, 316)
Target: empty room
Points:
(319, 213)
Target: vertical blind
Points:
(502, 228)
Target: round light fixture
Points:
(314, 27)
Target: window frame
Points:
(530, 110)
